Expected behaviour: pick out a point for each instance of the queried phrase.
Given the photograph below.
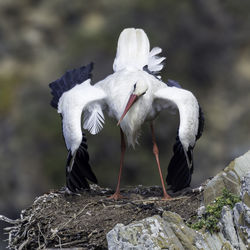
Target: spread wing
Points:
(73, 95)
(180, 168)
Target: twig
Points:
(24, 244)
(60, 241)
(10, 221)
(40, 232)
(70, 243)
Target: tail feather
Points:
(132, 50)
(78, 169)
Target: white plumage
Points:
(129, 80)
(155, 61)
(71, 104)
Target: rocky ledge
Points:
(214, 216)
(169, 231)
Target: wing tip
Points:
(77, 175)
(201, 124)
(68, 81)
(179, 172)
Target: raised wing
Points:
(72, 95)
(180, 168)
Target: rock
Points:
(241, 165)
(213, 189)
(201, 210)
(170, 232)
(230, 178)
(149, 233)
(228, 227)
(245, 190)
(241, 213)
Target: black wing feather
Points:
(201, 124)
(179, 173)
(81, 170)
(68, 81)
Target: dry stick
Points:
(24, 244)
(60, 241)
(40, 232)
(10, 221)
(70, 243)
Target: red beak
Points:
(131, 101)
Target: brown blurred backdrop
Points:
(207, 45)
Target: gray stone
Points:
(170, 232)
(241, 213)
(213, 189)
(241, 165)
(245, 190)
(228, 227)
(150, 233)
(201, 210)
(230, 178)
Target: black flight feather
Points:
(179, 172)
(68, 81)
(81, 170)
(201, 124)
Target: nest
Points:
(59, 220)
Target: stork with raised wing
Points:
(133, 94)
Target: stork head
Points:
(139, 89)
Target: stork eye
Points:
(134, 86)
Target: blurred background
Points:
(207, 45)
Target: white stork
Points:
(133, 94)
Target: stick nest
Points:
(59, 220)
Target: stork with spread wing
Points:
(133, 94)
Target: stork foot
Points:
(166, 197)
(116, 196)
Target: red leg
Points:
(117, 194)
(156, 153)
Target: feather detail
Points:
(93, 120)
(155, 51)
(154, 61)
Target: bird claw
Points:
(166, 197)
(116, 196)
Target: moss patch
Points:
(209, 220)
